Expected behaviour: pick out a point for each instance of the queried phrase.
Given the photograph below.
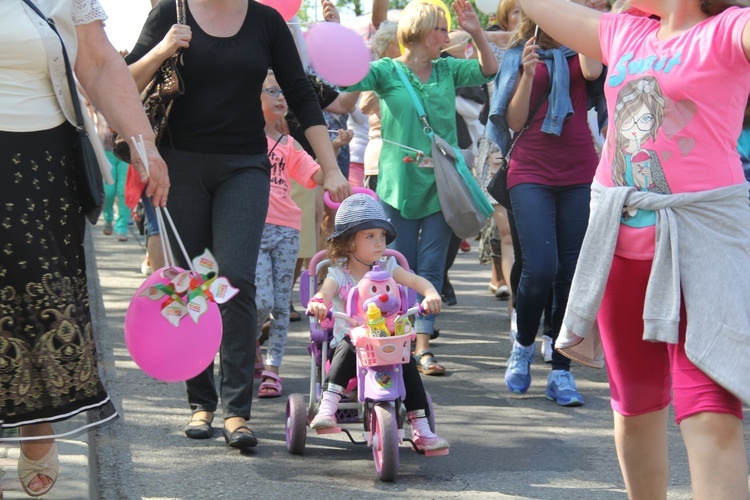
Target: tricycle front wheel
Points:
(385, 441)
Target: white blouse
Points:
(34, 92)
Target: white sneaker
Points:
(513, 325)
(547, 348)
(146, 267)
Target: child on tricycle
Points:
(360, 236)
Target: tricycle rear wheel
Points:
(296, 424)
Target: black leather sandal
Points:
(241, 438)
(199, 427)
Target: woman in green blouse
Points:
(406, 186)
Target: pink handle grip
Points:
(334, 205)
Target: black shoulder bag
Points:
(498, 185)
(88, 174)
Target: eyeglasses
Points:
(444, 30)
(273, 91)
(644, 123)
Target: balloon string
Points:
(166, 248)
(418, 151)
(459, 44)
(179, 241)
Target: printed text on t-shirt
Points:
(638, 66)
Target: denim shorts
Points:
(152, 225)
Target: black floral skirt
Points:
(48, 368)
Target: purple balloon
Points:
(338, 54)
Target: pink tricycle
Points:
(374, 398)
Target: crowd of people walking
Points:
(628, 210)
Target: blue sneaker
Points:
(518, 375)
(561, 388)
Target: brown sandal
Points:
(428, 365)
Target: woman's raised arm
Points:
(571, 24)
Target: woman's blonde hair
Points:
(417, 21)
(504, 8)
(525, 30)
(382, 38)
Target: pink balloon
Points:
(338, 54)
(166, 352)
(287, 8)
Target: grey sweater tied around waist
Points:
(702, 255)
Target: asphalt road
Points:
(502, 445)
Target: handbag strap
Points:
(68, 70)
(275, 144)
(528, 122)
(181, 19)
(181, 15)
(415, 98)
(478, 199)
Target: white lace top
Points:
(86, 11)
(34, 92)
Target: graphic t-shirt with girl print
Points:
(667, 133)
(287, 161)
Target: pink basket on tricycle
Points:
(377, 351)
